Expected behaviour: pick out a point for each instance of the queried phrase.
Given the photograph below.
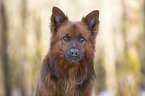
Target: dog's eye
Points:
(66, 38)
(81, 39)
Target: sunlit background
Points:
(120, 47)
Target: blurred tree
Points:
(132, 30)
(142, 49)
(22, 80)
(4, 51)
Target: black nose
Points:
(74, 52)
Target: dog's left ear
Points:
(92, 21)
(57, 18)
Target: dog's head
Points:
(73, 41)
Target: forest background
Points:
(120, 47)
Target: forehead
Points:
(73, 29)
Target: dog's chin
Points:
(73, 62)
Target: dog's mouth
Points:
(72, 58)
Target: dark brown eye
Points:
(81, 39)
(66, 38)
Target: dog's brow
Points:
(64, 34)
(80, 34)
(74, 31)
(74, 28)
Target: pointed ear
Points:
(92, 20)
(57, 18)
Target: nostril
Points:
(74, 52)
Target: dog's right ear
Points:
(57, 18)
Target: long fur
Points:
(60, 77)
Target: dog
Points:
(68, 67)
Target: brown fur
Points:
(69, 78)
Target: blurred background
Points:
(120, 48)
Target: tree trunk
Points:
(143, 50)
(4, 51)
(23, 80)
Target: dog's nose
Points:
(74, 52)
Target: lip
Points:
(73, 60)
